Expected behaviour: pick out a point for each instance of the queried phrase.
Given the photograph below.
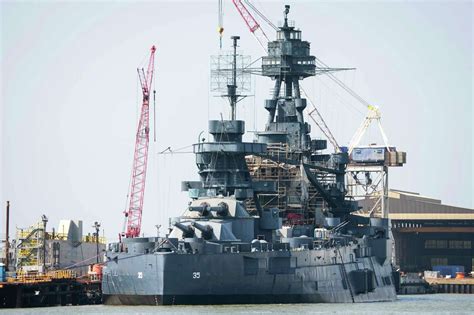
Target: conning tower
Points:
(288, 61)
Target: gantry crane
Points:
(133, 215)
(372, 114)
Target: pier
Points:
(459, 286)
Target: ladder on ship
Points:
(344, 275)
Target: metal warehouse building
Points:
(428, 233)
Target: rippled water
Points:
(421, 304)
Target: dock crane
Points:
(133, 215)
(373, 114)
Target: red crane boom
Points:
(133, 214)
(252, 24)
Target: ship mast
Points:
(232, 88)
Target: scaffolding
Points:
(297, 201)
(30, 243)
(369, 182)
(368, 179)
(31, 246)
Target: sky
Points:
(70, 96)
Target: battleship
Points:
(268, 221)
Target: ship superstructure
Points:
(268, 221)
(309, 183)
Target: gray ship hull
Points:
(309, 276)
(268, 220)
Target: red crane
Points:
(252, 24)
(133, 214)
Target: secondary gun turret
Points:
(187, 230)
(204, 209)
(206, 230)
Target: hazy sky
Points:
(70, 97)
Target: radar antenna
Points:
(229, 76)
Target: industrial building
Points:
(428, 233)
(48, 268)
(36, 250)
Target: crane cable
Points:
(261, 14)
(220, 28)
(154, 107)
(322, 126)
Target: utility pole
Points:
(97, 228)
(45, 220)
(7, 240)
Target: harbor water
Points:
(406, 304)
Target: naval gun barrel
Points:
(204, 209)
(187, 230)
(206, 230)
(220, 210)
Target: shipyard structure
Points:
(269, 221)
(60, 266)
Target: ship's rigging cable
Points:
(261, 14)
(76, 265)
(154, 111)
(169, 150)
(321, 63)
(343, 85)
(340, 98)
(322, 124)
